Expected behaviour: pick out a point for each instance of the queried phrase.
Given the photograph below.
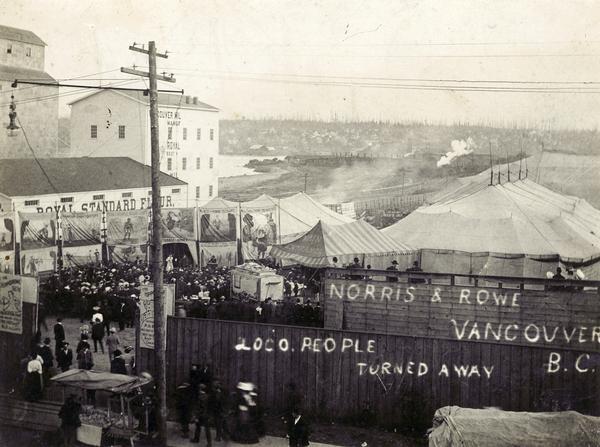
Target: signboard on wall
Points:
(146, 305)
(11, 304)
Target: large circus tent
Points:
(517, 228)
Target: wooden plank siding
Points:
(517, 316)
(334, 388)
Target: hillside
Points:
(316, 137)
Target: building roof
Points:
(20, 35)
(24, 177)
(164, 99)
(10, 73)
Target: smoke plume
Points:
(459, 148)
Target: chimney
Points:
(195, 100)
(187, 99)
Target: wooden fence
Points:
(351, 374)
(514, 311)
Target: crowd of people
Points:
(204, 292)
(238, 416)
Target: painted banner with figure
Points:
(258, 232)
(178, 224)
(81, 256)
(38, 230)
(218, 225)
(127, 253)
(146, 305)
(7, 243)
(39, 260)
(80, 229)
(11, 304)
(224, 253)
(127, 227)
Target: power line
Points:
(487, 81)
(35, 157)
(453, 88)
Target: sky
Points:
(346, 60)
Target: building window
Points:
(66, 199)
(212, 134)
(32, 202)
(121, 132)
(183, 163)
(198, 134)
(127, 194)
(98, 197)
(197, 162)
(185, 133)
(28, 51)
(9, 49)
(197, 192)
(175, 190)
(210, 190)
(169, 164)
(210, 163)
(170, 133)
(93, 131)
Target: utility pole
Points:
(156, 245)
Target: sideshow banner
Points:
(7, 262)
(38, 230)
(7, 232)
(259, 232)
(178, 224)
(11, 304)
(217, 225)
(127, 253)
(80, 256)
(37, 261)
(146, 305)
(224, 253)
(127, 227)
(80, 229)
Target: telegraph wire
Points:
(35, 156)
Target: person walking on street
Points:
(112, 342)
(216, 404)
(47, 360)
(298, 430)
(98, 335)
(85, 359)
(34, 383)
(183, 404)
(64, 357)
(202, 415)
(59, 334)
(70, 421)
(117, 364)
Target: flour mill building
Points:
(117, 123)
(22, 55)
(83, 184)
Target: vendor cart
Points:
(126, 413)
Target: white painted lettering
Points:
(347, 343)
(459, 334)
(506, 336)
(371, 346)
(305, 344)
(536, 333)
(553, 362)
(550, 340)
(582, 329)
(423, 369)
(409, 367)
(348, 293)
(361, 368)
(464, 296)
(329, 344)
(482, 297)
(370, 292)
(284, 345)
(436, 298)
(333, 289)
(488, 371)
(444, 370)
(489, 330)
(386, 292)
(578, 366)
(409, 292)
